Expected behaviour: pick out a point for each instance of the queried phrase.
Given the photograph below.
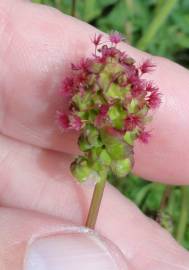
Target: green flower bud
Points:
(83, 143)
(121, 167)
(104, 158)
(80, 169)
(93, 136)
(114, 146)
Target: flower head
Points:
(110, 104)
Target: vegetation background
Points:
(160, 27)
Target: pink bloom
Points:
(104, 109)
(83, 65)
(96, 40)
(132, 122)
(115, 37)
(75, 122)
(146, 66)
(150, 87)
(154, 100)
(67, 87)
(102, 114)
(144, 136)
(138, 89)
(62, 120)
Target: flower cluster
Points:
(109, 104)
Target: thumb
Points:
(45, 243)
(77, 249)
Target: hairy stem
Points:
(184, 214)
(158, 20)
(95, 204)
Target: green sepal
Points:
(96, 67)
(80, 169)
(114, 146)
(83, 143)
(116, 92)
(133, 106)
(130, 136)
(104, 158)
(117, 116)
(104, 80)
(83, 102)
(113, 67)
(93, 136)
(121, 167)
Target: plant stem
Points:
(183, 220)
(165, 197)
(157, 22)
(58, 4)
(73, 8)
(95, 204)
(164, 201)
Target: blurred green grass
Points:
(161, 28)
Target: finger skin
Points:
(39, 180)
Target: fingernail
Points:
(73, 251)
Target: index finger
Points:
(39, 43)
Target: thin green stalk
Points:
(95, 204)
(157, 22)
(184, 214)
(165, 197)
(58, 4)
(73, 8)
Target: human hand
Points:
(38, 45)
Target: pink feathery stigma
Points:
(154, 100)
(97, 39)
(67, 87)
(144, 136)
(132, 121)
(115, 37)
(147, 66)
(62, 120)
(75, 122)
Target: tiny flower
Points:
(67, 87)
(75, 122)
(144, 136)
(154, 100)
(132, 122)
(138, 89)
(115, 37)
(102, 114)
(62, 120)
(150, 87)
(147, 66)
(96, 40)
